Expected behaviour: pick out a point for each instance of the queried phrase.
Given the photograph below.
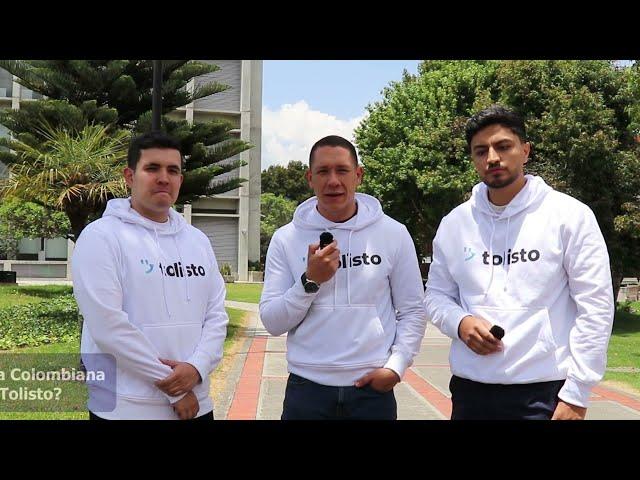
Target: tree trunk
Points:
(78, 220)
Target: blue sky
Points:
(304, 100)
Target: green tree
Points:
(580, 119)
(412, 143)
(73, 173)
(19, 219)
(579, 122)
(117, 94)
(633, 75)
(289, 181)
(276, 211)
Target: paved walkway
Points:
(255, 384)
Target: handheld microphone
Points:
(325, 239)
(497, 332)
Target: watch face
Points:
(309, 286)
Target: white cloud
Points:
(290, 132)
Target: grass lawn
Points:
(20, 295)
(623, 364)
(624, 348)
(244, 292)
(235, 324)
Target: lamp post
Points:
(156, 96)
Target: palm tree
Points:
(75, 172)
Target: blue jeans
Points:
(307, 400)
(483, 401)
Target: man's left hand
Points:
(182, 380)
(567, 411)
(380, 379)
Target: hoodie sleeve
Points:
(406, 293)
(97, 287)
(209, 351)
(442, 297)
(586, 262)
(284, 302)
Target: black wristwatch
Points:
(309, 285)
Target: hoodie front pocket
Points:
(173, 342)
(528, 341)
(338, 336)
(523, 326)
(176, 341)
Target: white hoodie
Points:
(147, 291)
(369, 315)
(553, 296)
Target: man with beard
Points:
(521, 282)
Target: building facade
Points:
(230, 220)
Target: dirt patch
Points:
(623, 387)
(220, 374)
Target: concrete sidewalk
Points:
(254, 387)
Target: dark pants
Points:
(482, 401)
(306, 400)
(205, 417)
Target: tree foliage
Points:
(289, 181)
(581, 119)
(276, 211)
(19, 219)
(116, 94)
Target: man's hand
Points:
(183, 378)
(380, 379)
(567, 411)
(187, 407)
(322, 264)
(474, 332)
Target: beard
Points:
(501, 181)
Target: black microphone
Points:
(325, 239)
(497, 332)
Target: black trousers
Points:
(205, 417)
(482, 401)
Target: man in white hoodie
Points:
(351, 310)
(532, 261)
(151, 295)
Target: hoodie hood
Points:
(121, 208)
(533, 192)
(307, 216)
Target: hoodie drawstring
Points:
(186, 281)
(335, 284)
(349, 268)
(507, 259)
(164, 293)
(493, 229)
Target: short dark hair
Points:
(151, 140)
(495, 114)
(334, 141)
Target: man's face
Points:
(155, 183)
(334, 177)
(499, 155)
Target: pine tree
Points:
(117, 94)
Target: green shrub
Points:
(51, 321)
